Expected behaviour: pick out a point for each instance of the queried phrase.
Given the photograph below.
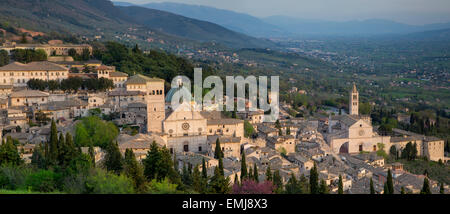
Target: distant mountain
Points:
(434, 35)
(190, 28)
(366, 27)
(239, 22)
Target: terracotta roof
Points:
(33, 66)
(141, 79)
(118, 74)
(29, 93)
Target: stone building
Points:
(18, 74)
(28, 98)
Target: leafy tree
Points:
(151, 162)
(104, 182)
(4, 58)
(200, 184)
(248, 129)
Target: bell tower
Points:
(354, 101)
(155, 105)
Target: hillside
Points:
(100, 17)
(190, 28)
(239, 22)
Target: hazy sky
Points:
(405, 11)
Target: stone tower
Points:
(354, 101)
(155, 105)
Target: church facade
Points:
(353, 133)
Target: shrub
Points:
(103, 182)
(13, 177)
(42, 181)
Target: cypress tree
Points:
(323, 189)
(390, 183)
(250, 174)
(53, 143)
(218, 153)
(292, 186)
(386, 189)
(442, 189)
(268, 174)
(255, 173)
(314, 180)
(221, 170)
(151, 162)
(219, 184)
(236, 181)
(243, 168)
(402, 191)
(92, 154)
(62, 150)
(372, 189)
(133, 170)
(204, 170)
(198, 181)
(277, 182)
(426, 187)
(340, 186)
(9, 153)
(113, 158)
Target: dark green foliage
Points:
(28, 55)
(9, 155)
(248, 129)
(93, 131)
(293, 186)
(340, 186)
(314, 180)
(277, 182)
(113, 159)
(200, 184)
(390, 182)
(442, 189)
(4, 58)
(372, 188)
(255, 173)
(218, 183)
(426, 187)
(204, 169)
(244, 174)
(159, 165)
(218, 153)
(43, 181)
(134, 170)
(269, 174)
(323, 189)
(103, 182)
(410, 151)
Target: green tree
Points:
(277, 182)
(4, 58)
(442, 189)
(255, 173)
(219, 184)
(402, 191)
(390, 183)
(248, 129)
(314, 180)
(113, 158)
(323, 189)
(244, 174)
(218, 153)
(53, 144)
(293, 186)
(268, 174)
(9, 153)
(372, 189)
(426, 187)
(134, 171)
(340, 186)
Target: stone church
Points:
(353, 133)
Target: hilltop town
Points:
(343, 151)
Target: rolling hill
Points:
(190, 28)
(101, 17)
